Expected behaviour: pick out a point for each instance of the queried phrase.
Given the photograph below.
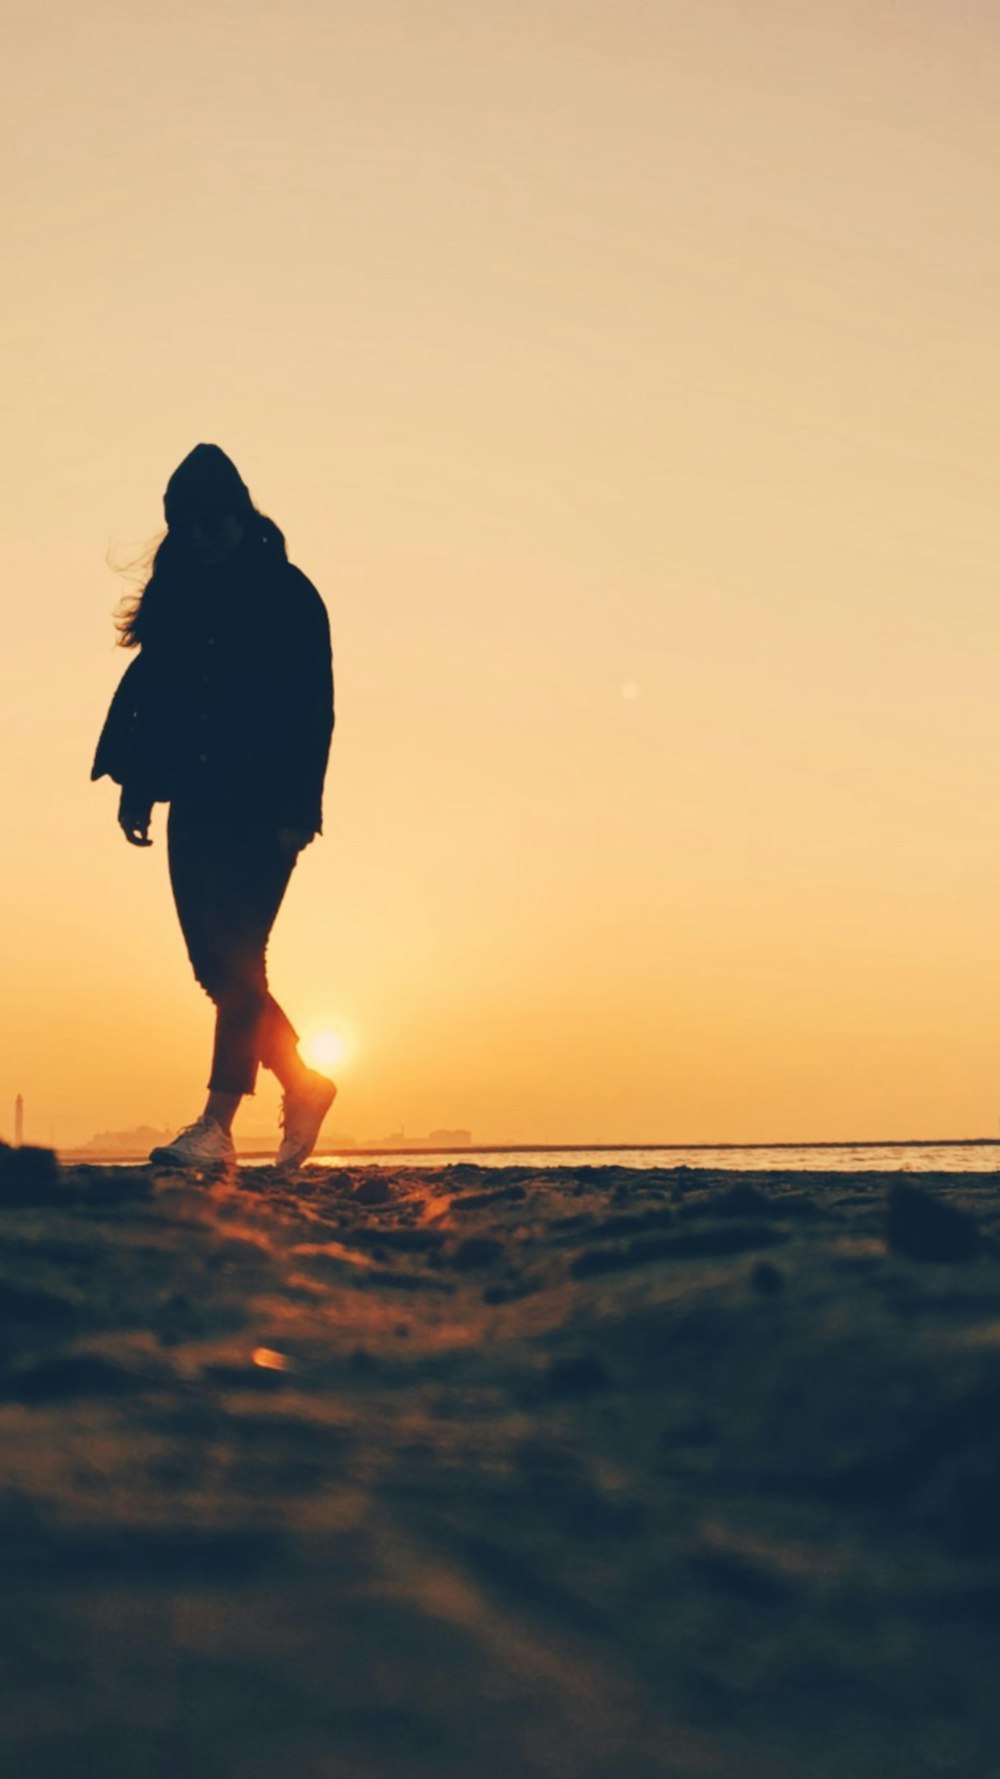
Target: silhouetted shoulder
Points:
(305, 632)
(301, 588)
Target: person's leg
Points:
(235, 978)
(223, 1107)
(251, 1027)
(228, 885)
(278, 1046)
(207, 1143)
(196, 851)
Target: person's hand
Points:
(134, 816)
(292, 840)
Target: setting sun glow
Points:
(619, 375)
(324, 1049)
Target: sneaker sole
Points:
(179, 1164)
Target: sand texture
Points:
(458, 1474)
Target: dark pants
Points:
(228, 880)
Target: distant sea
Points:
(980, 1155)
(971, 1155)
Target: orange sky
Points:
(625, 377)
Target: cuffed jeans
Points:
(228, 879)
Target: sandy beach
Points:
(473, 1472)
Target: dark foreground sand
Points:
(586, 1473)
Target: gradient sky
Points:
(625, 375)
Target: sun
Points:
(324, 1048)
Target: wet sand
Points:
(476, 1472)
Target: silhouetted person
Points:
(226, 714)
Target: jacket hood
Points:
(206, 480)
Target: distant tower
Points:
(19, 1120)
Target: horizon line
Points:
(418, 1148)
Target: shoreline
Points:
(75, 1157)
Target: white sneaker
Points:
(201, 1144)
(302, 1116)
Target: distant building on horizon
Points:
(119, 1144)
(437, 1139)
(123, 1142)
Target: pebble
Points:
(477, 1250)
(767, 1279)
(28, 1173)
(733, 1238)
(474, 1201)
(29, 1303)
(66, 1377)
(576, 1375)
(372, 1192)
(926, 1228)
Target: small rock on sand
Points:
(767, 1279)
(26, 1174)
(372, 1192)
(576, 1375)
(477, 1250)
(926, 1228)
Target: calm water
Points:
(979, 1157)
(853, 1158)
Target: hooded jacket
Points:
(229, 702)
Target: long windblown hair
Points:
(159, 604)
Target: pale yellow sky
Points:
(625, 377)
